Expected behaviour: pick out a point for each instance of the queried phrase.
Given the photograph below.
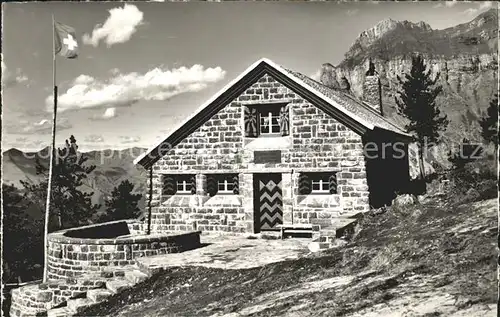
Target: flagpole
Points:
(52, 154)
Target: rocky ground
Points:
(431, 259)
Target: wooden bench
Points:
(295, 228)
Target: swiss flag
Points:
(65, 42)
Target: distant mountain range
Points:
(112, 167)
(465, 56)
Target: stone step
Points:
(98, 295)
(342, 222)
(328, 232)
(351, 214)
(118, 285)
(135, 276)
(117, 271)
(77, 305)
(344, 225)
(318, 246)
(60, 312)
(145, 267)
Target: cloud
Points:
(121, 24)
(129, 139)
(485, 5)
(470, 11)
(447, 4)
(127, 89)
(94, 138)
(10, 79)
(44, 126)
(108, 114)
(352, 12)
(450, 4)
(316, 76)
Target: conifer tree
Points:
(123, 204)
(417, 103)
(489, 128)
(70, 205)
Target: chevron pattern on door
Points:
(270, 203)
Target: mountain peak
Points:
(383, 27)
(390, 38)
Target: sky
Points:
(144, 67)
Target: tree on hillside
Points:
(489, 129)
(123, 204)
(417, 103)
(22, 235)
(70, 205)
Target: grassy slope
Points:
(433, 248)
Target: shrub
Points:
(473, 182)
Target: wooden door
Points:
(268, 202)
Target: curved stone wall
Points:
(80, 250)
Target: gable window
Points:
(318, 183)
(267, 120)
(222, 184)
(179, 184)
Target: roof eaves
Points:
(318, 93)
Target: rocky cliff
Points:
(465, 56)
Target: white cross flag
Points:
(65, 41)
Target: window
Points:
(226, 184)
(271, 120)
(179, 184)
(318, 183)
(184, 184)
(222, 184)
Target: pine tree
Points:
(70, 205)
(489, 129)
(22, 238)
(417, 103)
(122, 204)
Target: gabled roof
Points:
(352, 112)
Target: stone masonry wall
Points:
(317, 143)
(39, 297)
(72, 257)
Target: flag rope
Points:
(52, 156)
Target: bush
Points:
(474, 181)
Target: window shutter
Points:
(193, 184)
(251, 120)
(236, 188)
(212, 185)
(285, 120)
(169, 185)
(304, 184)
(333, 184)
